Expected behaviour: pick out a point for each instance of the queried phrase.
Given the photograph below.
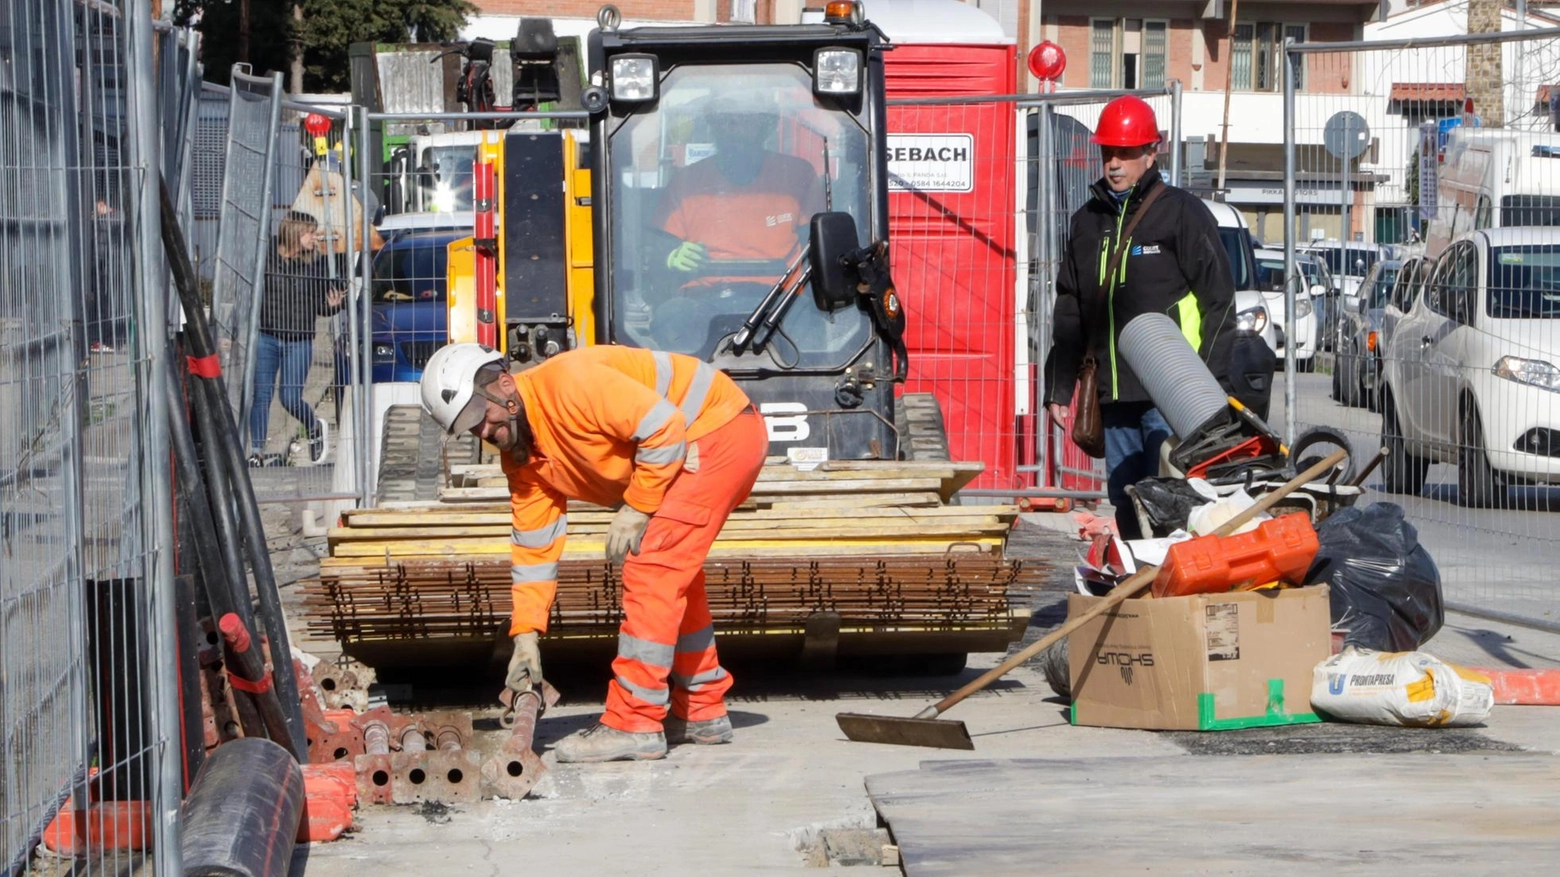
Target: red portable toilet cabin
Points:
(952, 221)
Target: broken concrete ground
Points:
(772, 801)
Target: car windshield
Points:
(1530, 210)
(411, 269)
(1270, 274)
(1525, 282)
(1381, 289)
(1237, 245)
(713, 188)
(1360, 259)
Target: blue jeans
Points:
(1134, 431)
(290, 359)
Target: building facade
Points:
(1116, 44)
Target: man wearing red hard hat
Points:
(1139, 245)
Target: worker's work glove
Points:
(525, 665)
(688, 257)
(625, 533)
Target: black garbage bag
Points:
(1168, 502)
(1386, 590)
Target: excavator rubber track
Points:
(414, 457)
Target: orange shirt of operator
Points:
(751, 221)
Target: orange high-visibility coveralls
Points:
(755, 220)
(673, 437)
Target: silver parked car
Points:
(1357, 360)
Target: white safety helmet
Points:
(447, 386)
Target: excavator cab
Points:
(740, 201)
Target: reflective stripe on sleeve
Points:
(656, 418)
(541, 537)
(661, 456)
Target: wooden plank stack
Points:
(872, 541)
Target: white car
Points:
(1472, 371)
(1304, 328)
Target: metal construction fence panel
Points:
(303, 332)
(253, 115)
(981, 193)
(88, 705)
(1435, 264)
(207, 164)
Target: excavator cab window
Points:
(714, 186)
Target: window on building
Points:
(1128, 53)
(1102, 53)
(1156, 37)
(1257, 56)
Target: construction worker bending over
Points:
(676, 446)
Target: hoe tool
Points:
(926, 729)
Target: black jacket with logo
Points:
(1174, 252)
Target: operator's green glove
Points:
(625, 533)
(687, 257)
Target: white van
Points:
(1251, 312)
(1492, 178)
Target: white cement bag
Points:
(1400, 688)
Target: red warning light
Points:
(1047, 61)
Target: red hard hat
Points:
(1126, 121)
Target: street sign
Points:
(1346, 136)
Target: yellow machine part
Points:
(460, 271)
(579, 243)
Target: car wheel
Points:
(1400, 472)
(1351, 385)
(1307, 365)
(1337, 380)
(1478, 485)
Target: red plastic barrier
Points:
(1524, 687)
(1278, 550)
(329, 794)
(112, 825)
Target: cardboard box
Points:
(1206, 662)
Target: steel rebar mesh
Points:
(429, 598)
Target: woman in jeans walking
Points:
(298, 289)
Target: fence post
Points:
(1049, 457)
(1290, 274)
(148, 279)
(362, 315)
(1175, 132)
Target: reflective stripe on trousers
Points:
(665, 610)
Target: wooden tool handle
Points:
(1137, 583)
